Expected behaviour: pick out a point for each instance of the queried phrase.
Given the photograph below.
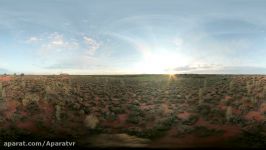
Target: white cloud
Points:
(33, 39)
(57, 40)
(178, 41)
(59, 51)
(57, 43)
(92, 45)
(198, 67)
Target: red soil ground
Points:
(254, 115)
(192, 140)
(5, 78)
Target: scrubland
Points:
(135, 110)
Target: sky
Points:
(132, 36)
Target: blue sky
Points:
(132, 36)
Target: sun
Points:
(160, 63)
(172, 76)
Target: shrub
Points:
(205, 84)
(264, 91)
(166, 124)
(109, 116)
(231, 85)
(91, 121)
(237, 120)
(150, 133)
(23, 83)
(204, 109)
(191, 120)
(81, 112)
(30, 98)
(249, 87)
(3, 92)
(25, 102)
(254, 100)
(33, 107)
(133, 118)
(1, 89)
(253, 138)
(58, 112)
(228, 113)
(76, 106)
(117, 110)
(202, 131)
(135, 109)
(200, 96)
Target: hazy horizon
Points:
(113, 37)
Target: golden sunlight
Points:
(160, 63)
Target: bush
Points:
(133, 118)
(58, 112)
(91, 121)
(110, 116)
(133, 107)
(204, 109)
(231, 85)
(157, 131)
(228, 113)
(253, 139)
(117, 110)
(150, 133)
(191, 120)
(237, 120)
(202, 131)
(166, 124)
(200, 96)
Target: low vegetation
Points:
(153, 107)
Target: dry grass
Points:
(91, 121)
(229, 113)
(58, 112)
(118, 140)
(200, 96)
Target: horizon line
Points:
(66, 74)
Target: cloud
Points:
(55, 50)
(57, 43)
(33, 39)
(92, 45)
(230, 26)
(197, 67)
(219, 69)
(242, 70)
(178, 42)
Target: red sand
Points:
(28, 125)
(262, 108)
(7, 78)
(11, 108)
(192, 140)
(254, 115)
(184, 115)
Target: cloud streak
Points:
(57, 43)
(56, 50)
(219, 69)
(196, 67)
(33, 39)
(92, 45)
